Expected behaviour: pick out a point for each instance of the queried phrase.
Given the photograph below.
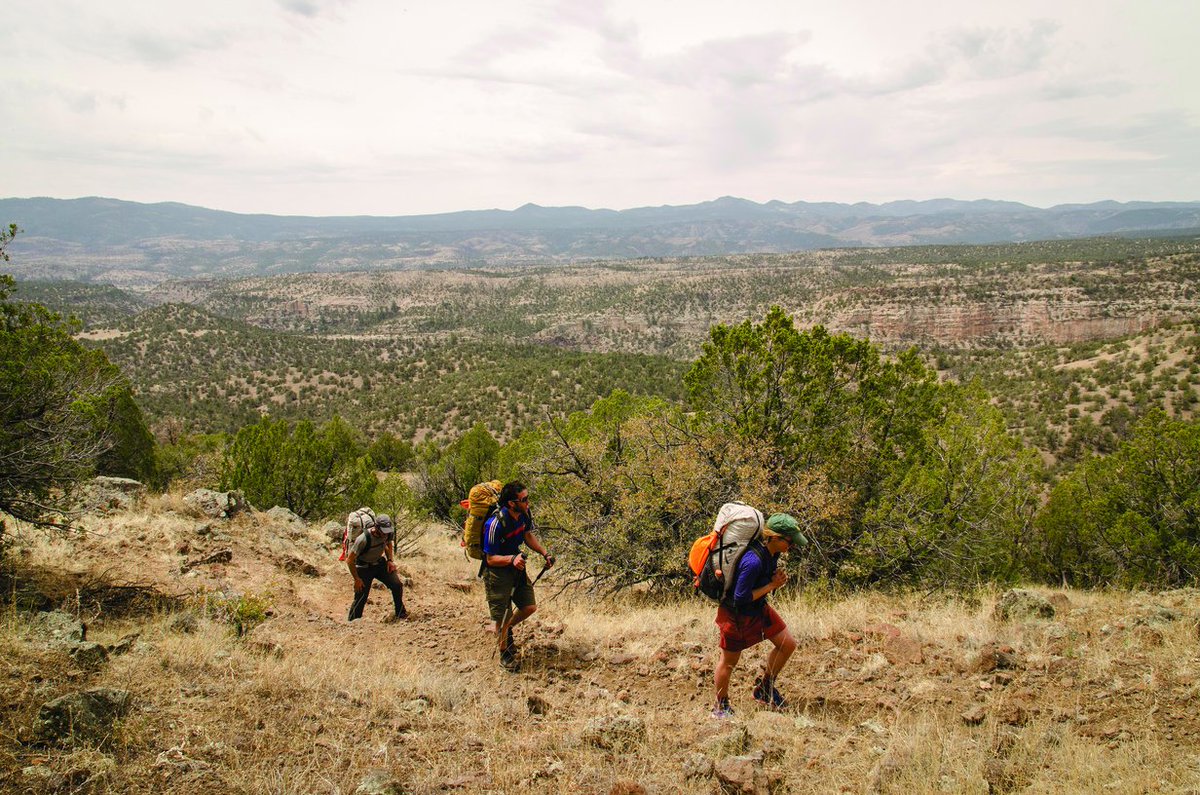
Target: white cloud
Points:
(330, 106)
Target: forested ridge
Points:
(917, 407)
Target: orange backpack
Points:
(715, 555)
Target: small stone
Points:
(615, 733)
(89, 655)
(974, 715)
(901, 650)
(742, 774)
(697, 765)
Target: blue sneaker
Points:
(766, 694)
(722, 709)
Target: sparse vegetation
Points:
(899, 693)
(65, 412)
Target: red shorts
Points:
(742, 632)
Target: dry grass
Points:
(1100, 698)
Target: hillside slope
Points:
(900, 695)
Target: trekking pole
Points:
(502, 627)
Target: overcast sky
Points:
(382, 107)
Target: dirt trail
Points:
(871, 672)
(1121, 673)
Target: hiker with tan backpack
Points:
(370, 557)
(738, 565)
(505, 576)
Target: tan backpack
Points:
(356, 523)
(479, 503)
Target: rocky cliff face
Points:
(1028, 321)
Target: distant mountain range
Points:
(108, 240)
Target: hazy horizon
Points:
(364, 107)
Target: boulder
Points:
(105, 494)
(615, 733)
(333, 531)
(1017, 604)
(217, 504)
(57, 626)
(281, 514)
(82, 716)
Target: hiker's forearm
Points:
(759, 593)
(535, 544)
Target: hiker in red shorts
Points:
(745, 618)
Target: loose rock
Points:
(217, 504)
(85, 716)
(742, 774)
(697, 766)
(615, 733)
(89, 655)
(281, 514)
(1017, 604)
(59, 627)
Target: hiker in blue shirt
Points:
(504, 574)
(746, 619)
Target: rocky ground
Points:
(1051, 691)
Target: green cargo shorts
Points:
(506, 585)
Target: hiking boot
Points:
(722, 709)
(401, 616)
(509, 661)
(766, 694)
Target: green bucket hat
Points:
(785, 525)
